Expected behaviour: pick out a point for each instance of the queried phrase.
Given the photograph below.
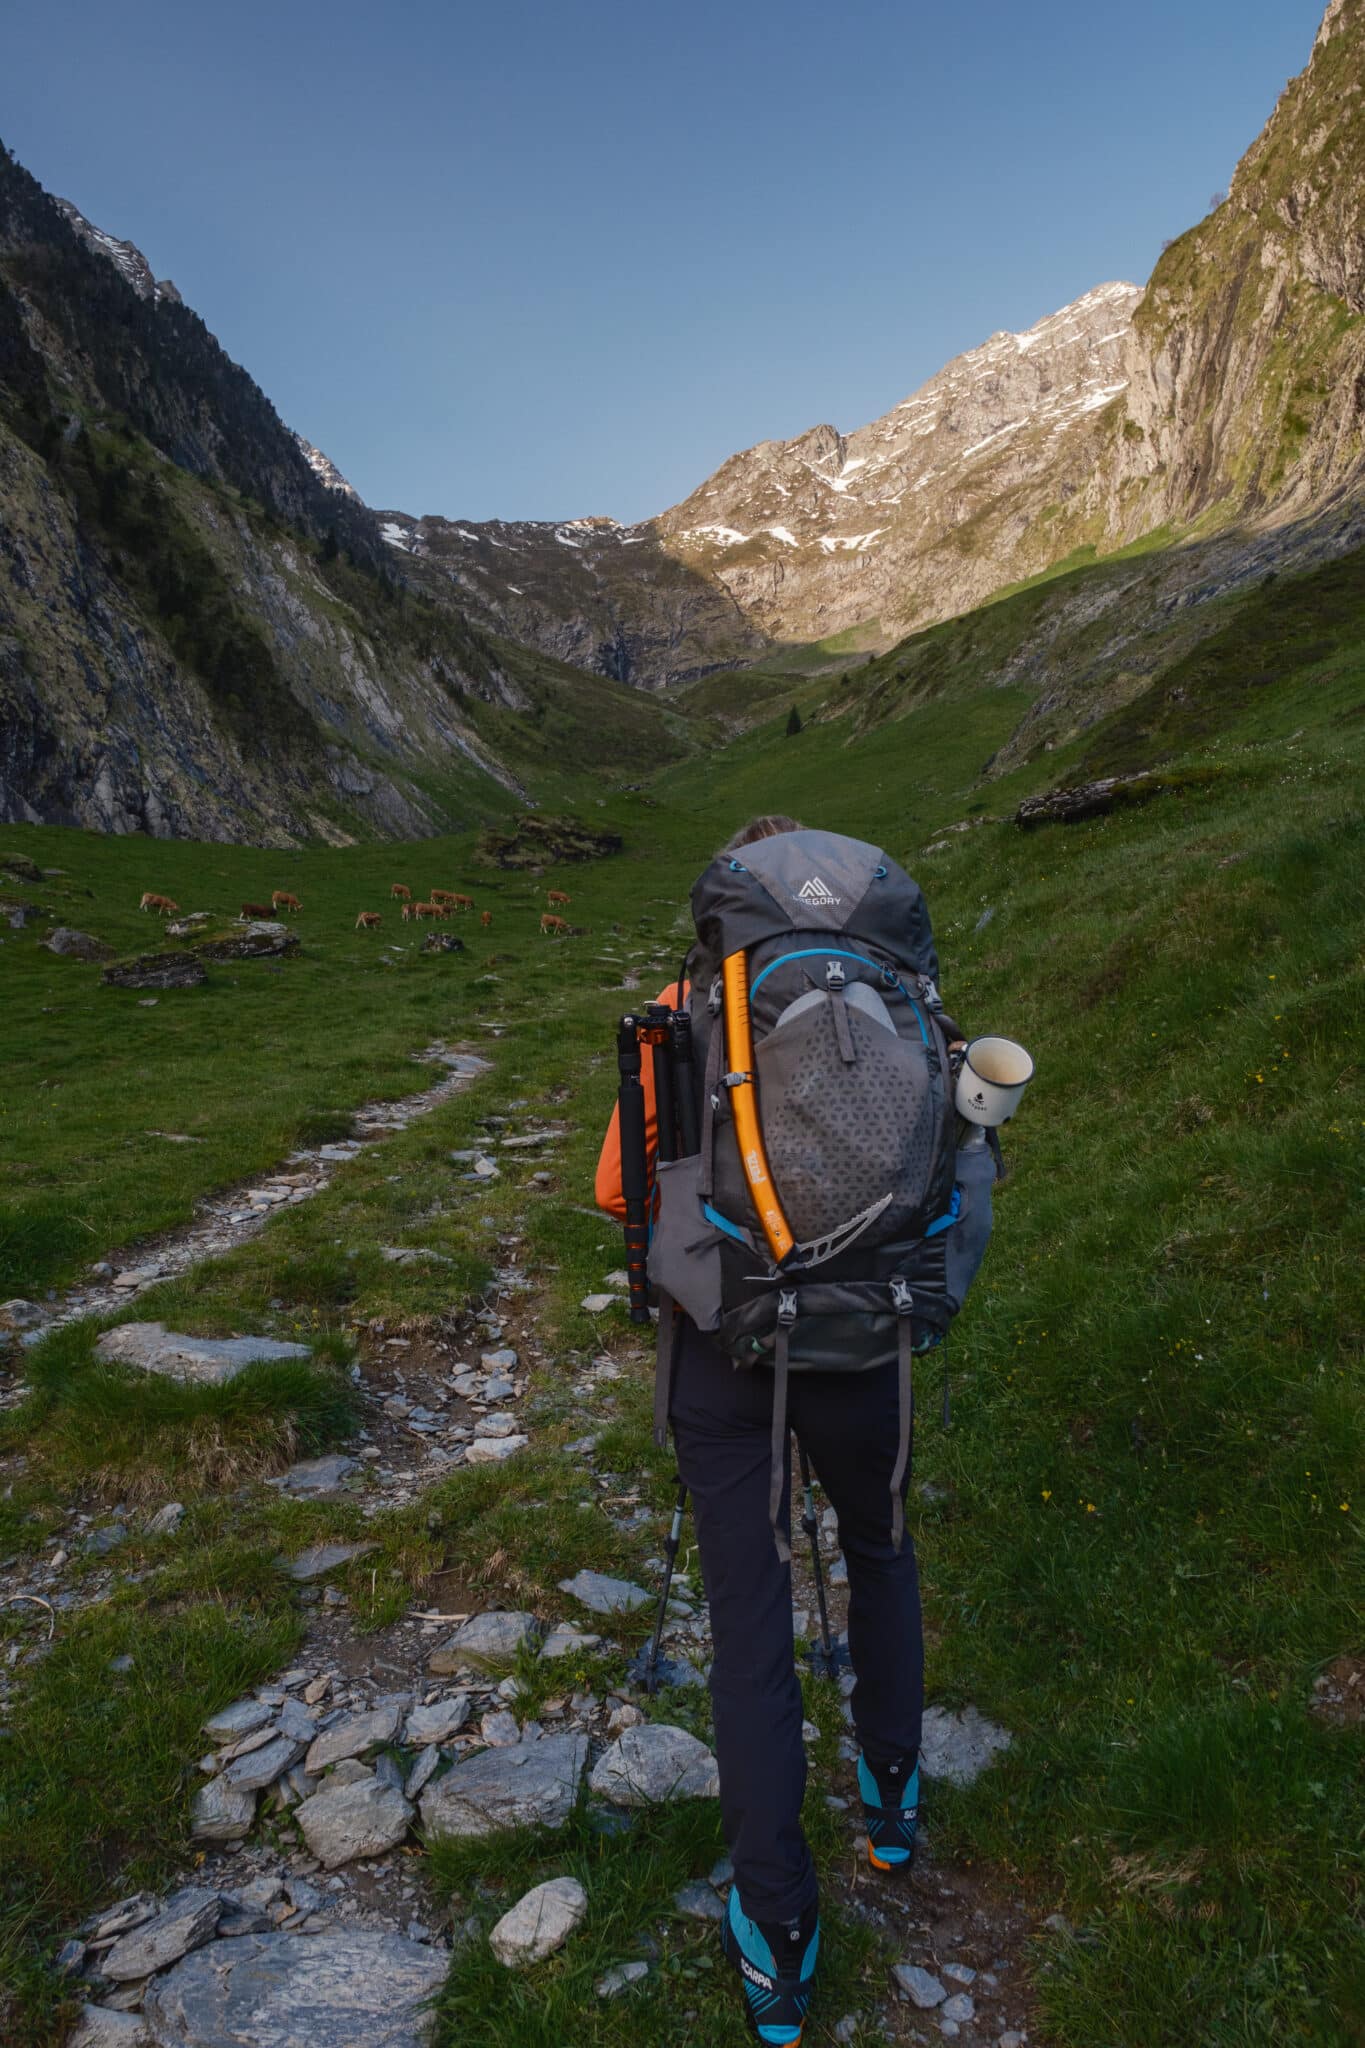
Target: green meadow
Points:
(1142, 1541)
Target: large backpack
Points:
(829, 1222)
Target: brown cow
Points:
(486, 919)
(282, 900)
(368, 921)
(162, 905)
(400, 892)
(554, 927)
(558, 896)
(258, 910)
(421, 910)
(442, 895)
(455, 900)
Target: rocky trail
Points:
(304, 1912)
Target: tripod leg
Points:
(650, 1670)
(827, 1662)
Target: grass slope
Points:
(1143, 1543)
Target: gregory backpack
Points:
(828, 1221)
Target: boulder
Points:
(487, 1640)
(494, 1450)
(648, 1765)
(959, 1746)
(74, 945)
(222, 1812)
(605, 1595)
(533, 1784)
(155, 970)
(539, 1923)
(353, 1736)
(442, 942)
(352, 1989)
(185, 1921)
(18, 1314)
(19, 864)
(1088, 800)
(362, 1818)
(202, 1361)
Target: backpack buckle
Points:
(902, 1300)
(786, 1306)
(834, 974)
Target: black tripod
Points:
(668, 1034)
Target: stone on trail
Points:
(648, 1765)
(129, 1912)
(504, 1360)
(493, 1450)
(619, 1978)
(361, 1818)
(100, 2026)
(202, 1361)
(959, 1746)
(353, 1736)
(260, 1767)
(351, 1989)
(534, 1784)
(564, 1640)
(167, 1519)
(499, 1730)
(539, 1923)
(597, 1304)
(422, 1772)
(699, 1902)
(241, 1718)
(185, 1921)
(959, 2007)
(498, 1424)
(317, 1475)
(604, 1595)
(322, 1558)
(485, 1639)
(222, 1812)
(438, 1722)
(18, 1314)
(920, 1986)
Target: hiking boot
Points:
(776, 1963)
(891, 1811)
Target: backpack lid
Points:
(812, 881)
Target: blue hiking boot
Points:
(891, 1811)
(776, 1963)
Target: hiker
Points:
(849, 1393)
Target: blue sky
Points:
(532, 261)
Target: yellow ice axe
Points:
(739, 1055)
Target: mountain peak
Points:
(324, 469)
(126, 257)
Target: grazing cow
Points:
(486, 919)
(421, 910)
(161, 905)
(400, 892)
(458, 902)
(558, 896)
(368, 921)
(554, 927)
(441, 895)
(258, 910)
(282, 900)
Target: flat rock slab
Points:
(222, 1812)
(605, 1595)
(493, 1450)
(564, 1640)
(959, 1746)
(353, 1736)
(485, 1639)
(321, 1558)
(345, 1990)
(317, 1476)
(241, 1718)
(529, 1784)
(155, 970)
(185, 1922)
(260, 1767)
(363, 1818)
(539, 1923)
(646, 1766)
(100, 2026)
(438, 1722)
(202, 1361)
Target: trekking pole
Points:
(634, 1165)
(646, 1669)
(684, 1086)
(826, 1659)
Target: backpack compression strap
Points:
(904, 1302)
(739, 1052)
(781, 1449)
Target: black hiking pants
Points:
(722, 1423)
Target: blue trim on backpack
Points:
(722, 1222)
(949, 1216)
(836, 953)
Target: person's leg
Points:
(848, 1423)
(722, 1422)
